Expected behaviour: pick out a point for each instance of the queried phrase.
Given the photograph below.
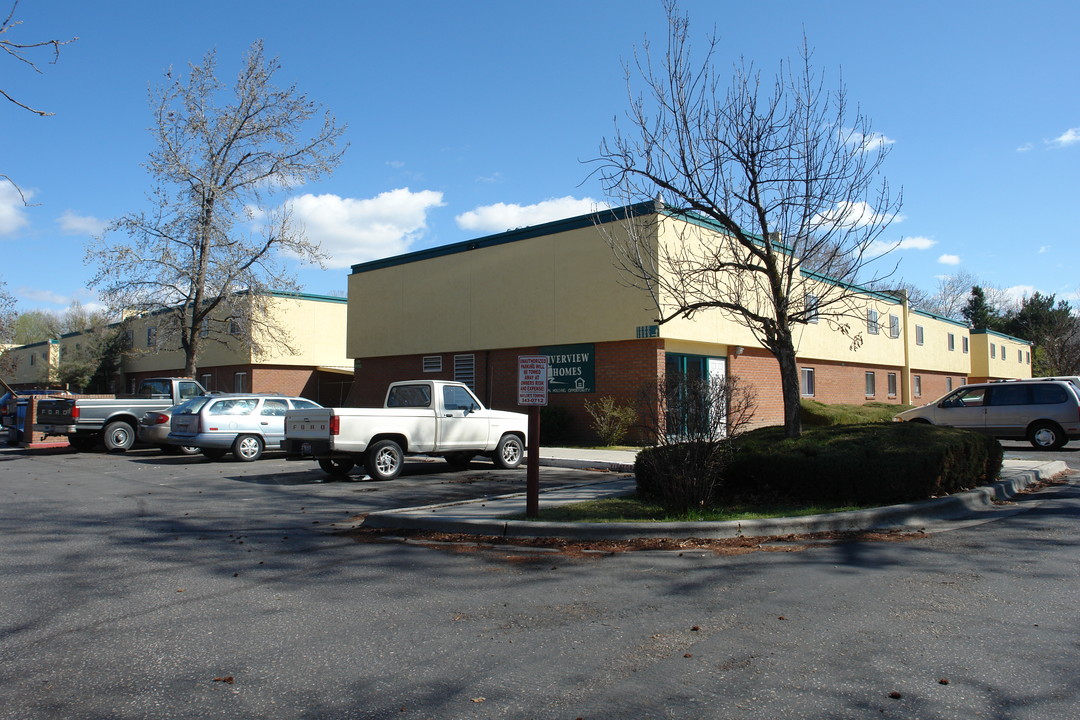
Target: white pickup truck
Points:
(420, 417)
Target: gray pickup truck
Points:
(112, 421)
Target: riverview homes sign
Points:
(571, 368)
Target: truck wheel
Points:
(384, 460)
(118, 436)
(338, 467)
(1046, 436)
(248, 448)
(509, 452)
(82, 443)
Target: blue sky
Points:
(469, 118)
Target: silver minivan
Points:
(1044, 412)
(245, 424)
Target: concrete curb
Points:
(905, 516)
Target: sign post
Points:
(533, 393)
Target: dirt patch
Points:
(540, 547)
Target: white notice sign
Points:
(532, 380)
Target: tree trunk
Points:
(789, 385)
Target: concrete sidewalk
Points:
(488, 516)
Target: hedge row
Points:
(872, 464)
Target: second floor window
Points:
(872, 321)
(151, 336)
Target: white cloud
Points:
(1025, 147)
(1016, 293)
(880, 247)
(949, 259)
(854, 215)
(44, 296)
(12, 214)
(1067, 138)
(504, 216)
(1044, 249)
(867, 143)
(73, 224)
(354, 230)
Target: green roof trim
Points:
(995, 333)
(942, 318)
(592, 219)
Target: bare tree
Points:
(691, 424)
(787, 172)
(216, 243)
(24, 52)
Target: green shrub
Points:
(862, 464)
(681, 475)
(869, 464)
(611, 422)
(818, 414)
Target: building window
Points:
(993, 350)
(433, 363)
(894, 326)
(240, 382)
(205, 381)
(1028, 357)
(465, 370)
(948, 384)
(234, 326)
(1003, 353)
(871, 384)
(952, 342)
(151, 336)
(807, 382)
(33, 359)
(812, 303)
(204, 328)
(964, 343)
(918, 334)
(872, 321)
(891, 378)
(916, 385)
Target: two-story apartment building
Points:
(302, 352)
(466, 311)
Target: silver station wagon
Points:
(245, 425)
(1044, 412)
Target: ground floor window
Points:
(240, 382)
(806, 382)
(871, 384)
(916, 385)
(892, 384)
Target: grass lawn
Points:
(630, 509)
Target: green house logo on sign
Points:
(571, 368)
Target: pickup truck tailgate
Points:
(57, 411)
(309, 424)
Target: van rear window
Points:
(1048, 394)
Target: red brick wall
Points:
(758, 371)
(935, 384)
(623, 371)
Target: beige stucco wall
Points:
(314, 328)
(1016, 362)
(559, 288)
(22, 372)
